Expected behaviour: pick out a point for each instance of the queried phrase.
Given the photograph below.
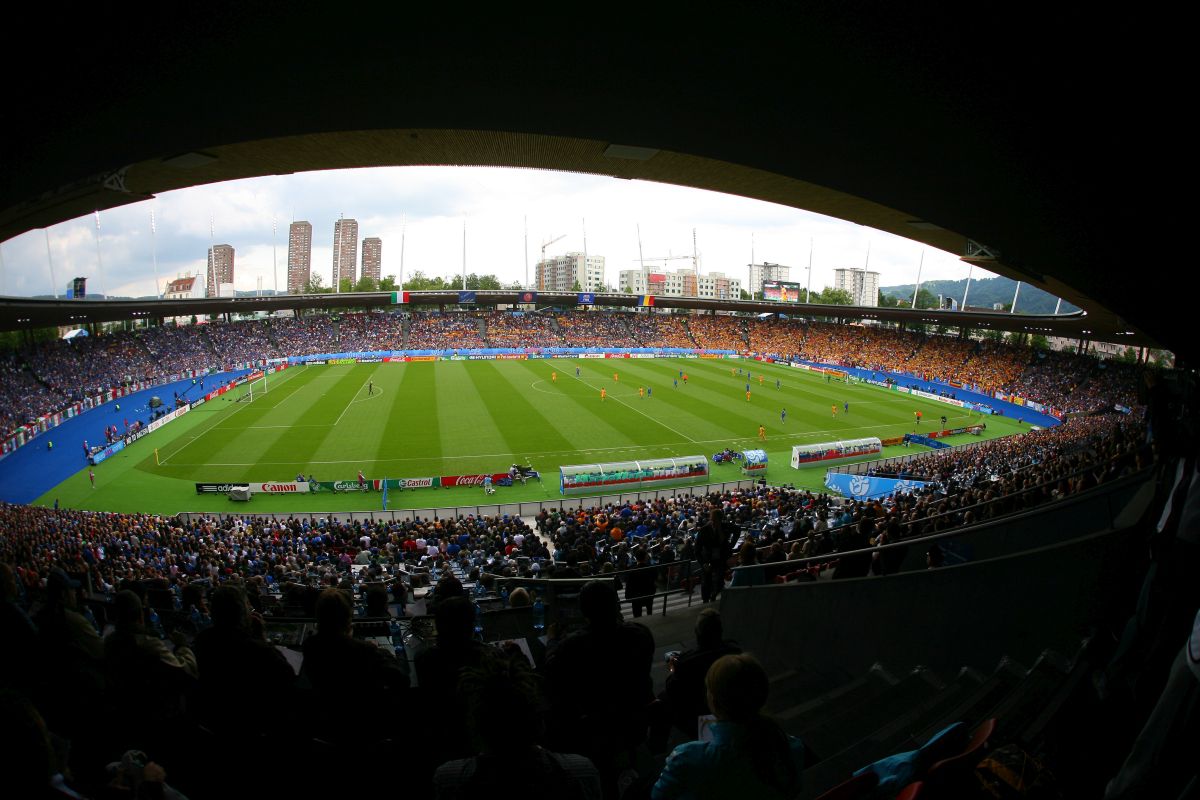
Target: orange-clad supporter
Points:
(719, 332)
(506, 329)
(457, 330)
(660, 330)
(596, 329)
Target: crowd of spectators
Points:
(660, 330)
(242, 342)
(304, 336)
(218, 576)
(357, 333)
(49, 376)
(1072, 383)
(457, 330)
(177, 349)
(776, 336)
(519, 330)
(22, 397)
(719, 332)
(596, 329)
(86, 365)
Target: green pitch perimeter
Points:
(464, 417)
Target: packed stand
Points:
(179, 348)
(88, 365)
(183, 625)
(22, 397)
(596, 329)
(718, 332)
(858, 346)
(452, 331)
(660, 330)
(1076, 384)
(304, 336)
(242, 342)
(782, 338)
(519, 330)
(358, 333)
(992, 365)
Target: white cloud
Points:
(435, 200)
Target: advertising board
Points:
(282, 487)
(220, 488)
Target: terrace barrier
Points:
(522, 509)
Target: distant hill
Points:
(986, 291)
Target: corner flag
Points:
(385, 494)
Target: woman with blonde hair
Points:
(749, 755)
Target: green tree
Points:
(745, 295)
(833, 297)
(388, 283)
(887, 301)
(345, 285)
(1039, 342)
(926, 299)
(576, 287)
(366, 284)
(314, 284)
(1129, 356)
(993, 336)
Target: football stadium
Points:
(560, 542)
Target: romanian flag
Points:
(399, 297)
(646, 300)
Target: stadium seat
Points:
(860, 786)
(946, 776)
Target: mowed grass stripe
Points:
(571, 407)
(423, 434)
(474, 411)
(518, 422)
(640, 427)
(398, 422)
(704, 415)
(299, 449)
(211, 437)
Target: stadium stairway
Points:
(880, 713)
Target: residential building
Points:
(562, 273)
(220, 269)
(680, 283)
(345, 250)
(184, 288)
(862, 285)
(766, 272)
(372, 258)
(299, 256)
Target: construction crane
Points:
(544, 246)
(695, 266)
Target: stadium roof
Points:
(1030, 147)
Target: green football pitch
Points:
(421, 419)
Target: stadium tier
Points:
(51, 378)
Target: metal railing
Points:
(940, 537)
(528, 508)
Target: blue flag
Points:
(385, 494)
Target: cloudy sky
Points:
(435, 201)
